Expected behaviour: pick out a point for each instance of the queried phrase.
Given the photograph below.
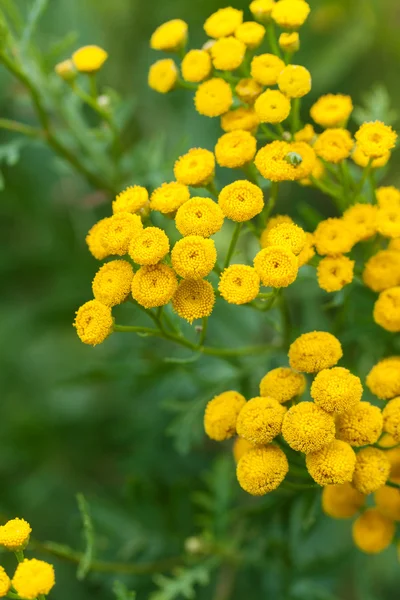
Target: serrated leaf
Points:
(377, 107)
(121, 591)
(88, 534)
(37, 10)
(184, 582)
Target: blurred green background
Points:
(117, 422)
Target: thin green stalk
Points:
(19, 555)
(327, 189)
(273, 43)
(298, 486)
(12, 595)
(251, 172)
(21, 128)
(268, 134)
(295, 115)
(93, 86)
(280, 129)
(364, 177)
(203, 331)
(212, 188)
(345, 180)
(393, 485)
(232, 245)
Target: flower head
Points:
(239, 284)
(372, 470)
(248, 90)
(287, 235)
(14, 535)
(213, 98)
(5, 583)
(387, 500)
(221, 415)
(260, 420)
(250, 33)
(334, 145)
(314, 351)
(199, 216)
(361, 218)
(336, 390)
(332, 110)
(163, 75)
(333, 464)
(272, 107)
(334, 272)
(273, 222)
(240, 447)
(391, 418)
(308, 251)
(93, 322)
(333, 236)
(228, 53)
(169, 197)
(387, 309)
(275, 161)
(33, 578)
(119, 230)
(384, 378)
(112, 282)
(196, 66)
(194, 299)
(240, 118)
(261, 9)
(149, 247)
(154, 285)
(289, 41)
(388, 221)
(362, 159)
(341, 501)
(265, 68)
(382, 271)
(294, 81)
(376, 139)
(276, 266)
(196, 168)
(235, 149)
(394, 245)
(193, 257)
(223, 22)
(361, 425)
(307, 428)
(95, 239)
(241, 200)
(388, 197)
(283, 384)
(290, 14)
(170, 36)
(89, 59)
(373, 532)
(132, 200)
(262, 470)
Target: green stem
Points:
(93, 86)
(268, 134)
(280, 129)
(21, 128)
(327, 189)
(298, 486)
(12, 595)
(232, 245)
(295, 116)
(393, 485)
(203, 332)
(273, 43)
(364, 177)
(19, 555)
(212, 188)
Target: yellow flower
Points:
(228, 53)
(196, 168)
(384, 378)
(154, 285)
(275, 161)
(290, 14)
(32, 578)
(14, 535)
(213, 98)
(221, 415)
(196, 66)
(132, 200)
(372, 470)
(240, 118)
(235, 149)
(260, 420)
(362, 220)
(66, 70)
(373, 532)
(334, 145)
(362, 159)
(241, 200)
(163, 75)
(391, 418)
(149, 247)
(119, 230)
(193, 257)
(223, 22)
(93, 322)
(5, 583)
(276, 266)
(95, 239)
(308, 251)
(239, 284)
(314, 351)
(387, 500)
(307, 428)
(388, 221)
(112, 282)
(194, 299)
(394, 459)
(240, 447)
(317, 172)
(333, 464)
(199, 216)
(265, 68)
(361, 425)
(307, 134)
(250, 33)
(334, 236)
(394, 245)
(294, 81)
(341, 501)
(262, 470)
(170, 36)
(375, 139)
(334, 272)
(388, 197)
(387, 310)
(283, 384)
(332, 110)
(273, 222)
(272, 107)
(89, 59)
(287, 235)
(336, 390)
(261, 9)
(289, 41)
(169, 197)
(248, 90)
(382, 271)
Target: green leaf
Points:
(121, 591)
(310, 590)
(187, 427)
(37, 10)
(377, 107)
(88, 534)
(184, 583)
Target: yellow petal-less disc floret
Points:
(112, 282)
(265, 68)
(250, 33)
(373, 532)
(314, 351)
(289, 41)
(341, 501)
(375, 139)
(387, 500)
(170, 36)
(196, 66)
(5, 583)
(32, 578)
(388, 221)
(221, 415)
(290, 14)
(336, 390)
(241, 200)
(307, 428)
(334, 272)
(149, 247)
(193, 257)
(240, 447)
(235, 149)
(272, 107)
(333, 236)
(388, 197)
(169, 197)
(95, 239)
(382, 271)
(287, 235)
(372, 470)
(240, 118)
(199, 216)
(273, 222)
(213, 98)
(277, 267)
(261, 9)
(362, 159)
(332, 110)
(248, 90)
(283, 384)
(194, 299)
(387, 310)
(308, 251)
(391, 418)
(333, 464)
(334, 145)
(394, 245)
(132, 200)
(384, 378)
(93, 322)
(154, 285)
(262, 470)
(275, 161)
(119, 231)
(223, 22)
(361, 425)
(260, 420)
(89, 59)
(239, 284)
(195, 168)
(227, 53)
(362, 220)
(294, 81)
(14, 535)
(163, 75)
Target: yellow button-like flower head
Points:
(388, 197)
(362, 220)
(199, 216)
(239, 284)
(283, 384)
(260, 420)
(154, 285)
(308, 251)
(221, 415)
(388, 221)
(196, 66)
(333, 464)
(336, 390)
(193, 257)
(307, 428)
(169, 197)
(373, 532)
(314, 351)
(261, 9)
(334, 145)
(391, 418)
(272, 107)
(294, 81)
(194, 299)
(134, 199)
(14, 535)
(384, 378)
(223, 23)
(241, 200)
(93, 322)
(333, 237)
(240, 118)
(387, 310)
(372, 470)
(89, 59)
(387, 500)
(240, 447)
(163, 75)
(262, 470)
(332, 110)
(32, 578)
(265, 68)
(290, 14)
(361, 425)
(248, 90)
(376, 139)
(273, 222)
(235, 149)
(213, 98)
(149, 247)
(250, 33)
(112, 282)
(362, 159)
(196, 168)
(276, 266)
(95, 239)
(341, 501)
(170, 36)
(382, 271)
(287, 235)
(334, 272)
(5, 583)
(228, 53)
(289, 41)
(281, 161)
(119, 231)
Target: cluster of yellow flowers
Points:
(88, 60)
(32, 578)
(337, 432)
